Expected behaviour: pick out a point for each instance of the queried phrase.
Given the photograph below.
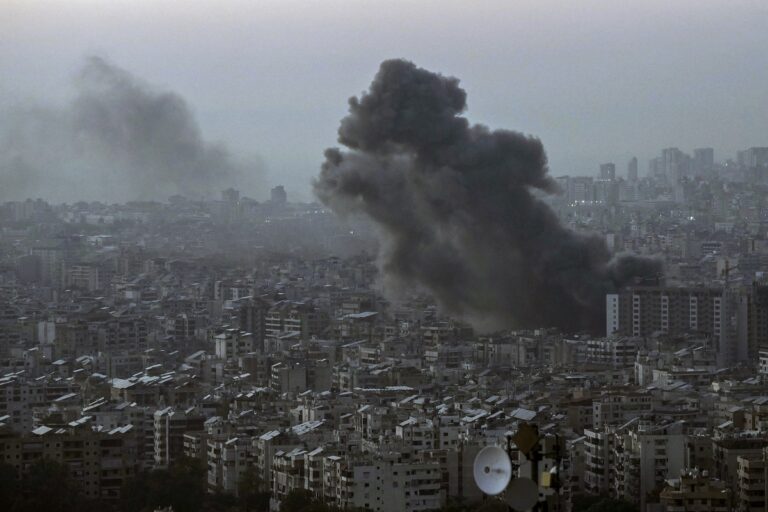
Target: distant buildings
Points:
(253, 337)
(696, 492)
(632, 170)
(230, 195)
(608, 171)
(100, 462)
(278, 195)
(170, 425)
(703, 161)
(753, 157)
(735, 319)
(645, 310)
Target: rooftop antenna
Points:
(492, 470)
(494, 473)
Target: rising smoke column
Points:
(118, 139)
(456, 211)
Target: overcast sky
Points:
(597, 80)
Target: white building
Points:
(232, 344)
(382, 486)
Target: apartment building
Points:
(726, 452)
(99, 461)
(20, 396)
(289, 472)
(617, 352)
(288, 316)
(751, 475)
(382, 485)
(123, 333)
(646, 454)
(170, 425)
(227, 459)
(598, 460)
(231, 344)
(696, 492)
(617, 408)
(645, 310)
(84, 276)
(265, 446)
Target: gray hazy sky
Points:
(596, 80)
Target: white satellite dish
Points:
(522, 494)
(493, 470)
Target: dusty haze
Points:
(117, 139)
(596, 80)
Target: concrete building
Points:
(232, 344)
(726, 454)
(84, 276)
(731, 318)
(646, 454)
(703, 161)
(100, 462)
(382, 485)
(618, 408)
(645, 310)
(581, 190)
(278, 195)
(123, 333)
(289, 377)
(632, 170)
(608, 171)
(252, 319)
(227, 460)
(599, 460)
(617, 352)
(751, 476)
(170, 425)
(20, 396)
(754, 157)
(298, 317)
(694, 492)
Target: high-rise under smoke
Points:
(456, 211)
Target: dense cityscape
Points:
(383, 256)
(235, 354)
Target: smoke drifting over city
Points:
(118, 139)
(456, 207)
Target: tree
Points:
(220, 502)
(492, 506)
(298, 500)
(181, 487)
(134, 496)
(602, 504)
(47, 486)
(187, 485)
(252, 496)
(302, 500)
(9, 486)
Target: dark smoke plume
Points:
(118, 139)
(456, 210)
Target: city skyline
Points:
(383, 256)
(597, 83)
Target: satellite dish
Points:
(522, 494)
(493, 470)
